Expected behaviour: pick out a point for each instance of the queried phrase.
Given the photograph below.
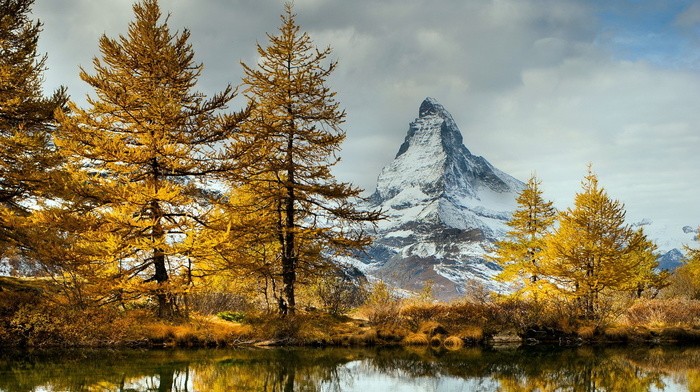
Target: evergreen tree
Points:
(142, 152)
(27, 159)
(593, 251)
(520, 253)
(294, 133)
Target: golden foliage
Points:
(29, 165)
(520, 253)
(291, 140)
(592, 250)
(136, 152)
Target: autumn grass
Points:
(453, 343)
(416, 339)
(29, 316)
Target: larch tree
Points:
(28, 160)
(294, 133)
(593, 251)
(520, 253)
(142, 153)
(692, 261)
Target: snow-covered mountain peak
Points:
(431, 107)
(433, 163)
(445, 207)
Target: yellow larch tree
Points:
(294, 135)
(692, 262)
(592, 250)
(520, 253)
(142, 154)
(28, 161)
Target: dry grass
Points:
(453, 343)
(680, 334)
(363, 338)
(617, 334)
(659, 313)
(432, 328)
(392, 335)
(416, 339)
(436, 340)
(586, 332)
(471, 333)
(199, 331)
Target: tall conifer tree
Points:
(692, 260)
(27, 159)
(593, 251)
(146, 143)
(520, 253)
(294, 132)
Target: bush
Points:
(236, 317)
(383, 307)
(661, 313)
(340, 293)
(420, 313)
(211, 302)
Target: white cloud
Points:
(535, 85)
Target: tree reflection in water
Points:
(537, 368)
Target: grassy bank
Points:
(31, 316)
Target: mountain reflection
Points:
(538, 368)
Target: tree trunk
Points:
(289, 257)
(165, 306)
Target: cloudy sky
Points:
(543, 86)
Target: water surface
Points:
(537, 368)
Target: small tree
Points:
(692, 262)
(593, 251)
(520, 254)
(294, 133)
(143, 151)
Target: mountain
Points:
(445, 208)
(671, 242)
(670, 260)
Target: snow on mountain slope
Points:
(445, 208)
(670, 242)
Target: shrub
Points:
(211, 302)
(340, 293)
(432, 328)
(236, 317)
(660, 313)
(419, 313)
(383, 307)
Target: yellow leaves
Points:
(520, 253)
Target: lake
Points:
(532, 368)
